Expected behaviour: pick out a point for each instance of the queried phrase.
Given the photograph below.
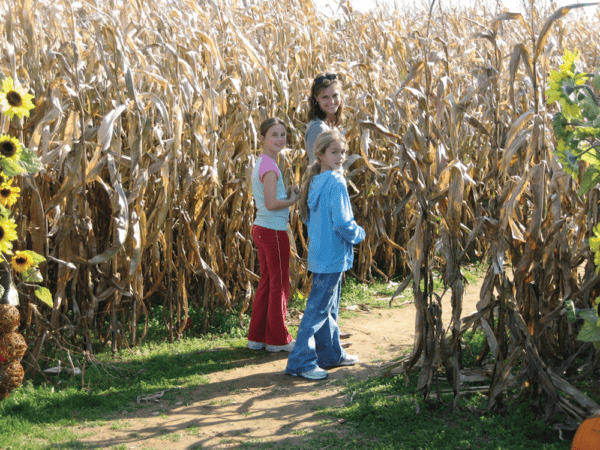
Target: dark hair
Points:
(324, 141)
(266, 124)
(321, 82)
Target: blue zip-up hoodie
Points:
(332, 230)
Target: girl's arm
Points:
(272, 203)
(343, 219)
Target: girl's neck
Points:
(272, 155)
(331, 120)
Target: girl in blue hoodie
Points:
(326, 210)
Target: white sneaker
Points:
(349, 360)
(255, 345)
(281, 348)
(315, 374)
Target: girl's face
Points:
(333, 157)
(329, 99)
(274, 141)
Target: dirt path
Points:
(257, 401)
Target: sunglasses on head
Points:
(328, 76)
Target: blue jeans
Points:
(318, 340)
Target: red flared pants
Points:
(267, 324)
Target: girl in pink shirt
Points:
(272, 200)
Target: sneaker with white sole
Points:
(315, 374)
(281, 348)
(255, 345)
(349, 360)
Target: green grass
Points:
(380, 415)
(385, 414)
(386, 411)
(38, 415)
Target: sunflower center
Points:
(21, 260)
(14, 99)
(5, 193)
(2, 233)
(8, 149)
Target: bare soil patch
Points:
(256, 401)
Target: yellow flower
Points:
(9, 194)
(10, 147)
(15, 100)
(8, 233)
(22, 261)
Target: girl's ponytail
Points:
(313, 170)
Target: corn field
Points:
(146, 122)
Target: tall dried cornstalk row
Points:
(528, 205)
(146, 121)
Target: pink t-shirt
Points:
(275, 220)
(266, 165)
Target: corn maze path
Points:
(257, 402)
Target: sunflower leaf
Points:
(589, 315)
(589, 333)
(10, 167)
(590, 178)
(33, 275)
(44, 295)
(4, 212)
(29, 161)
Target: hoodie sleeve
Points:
(341, 211)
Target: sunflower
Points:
(10, 147)
(8, 233)
(15, 100)
(22, 261)
(9, 194)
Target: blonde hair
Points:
(324, 141)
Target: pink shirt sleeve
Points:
(266, 165)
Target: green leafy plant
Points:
(577, 130)
(15, 160)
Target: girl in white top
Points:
(273, 201)
(326, 109)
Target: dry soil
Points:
(256, 401)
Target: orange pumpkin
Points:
(588, 435)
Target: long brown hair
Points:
(320, 83)
(324, 141)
